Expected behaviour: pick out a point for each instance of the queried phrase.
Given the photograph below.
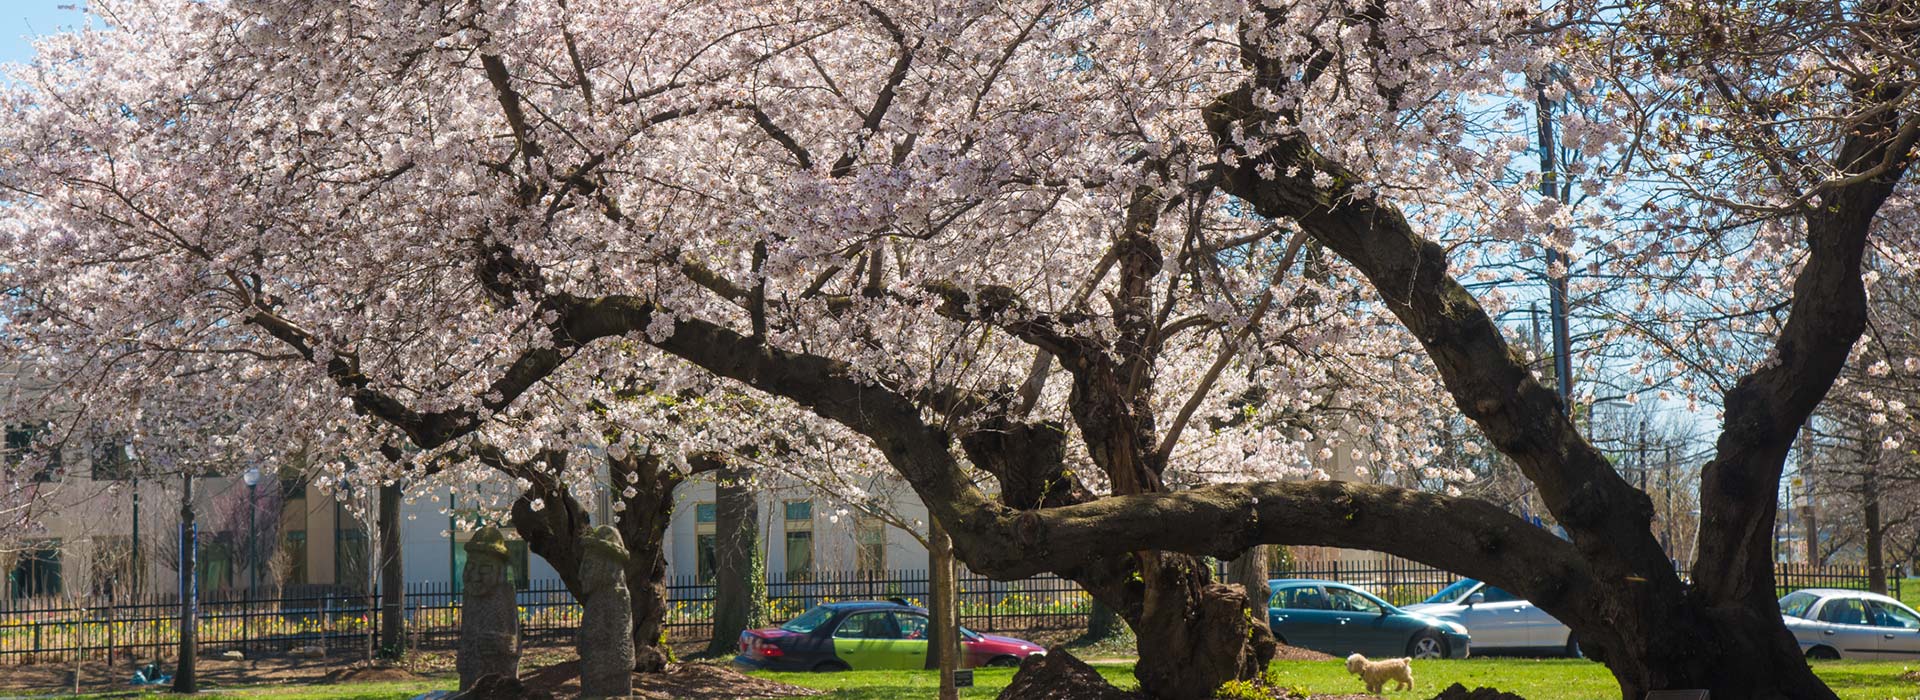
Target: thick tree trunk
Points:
(554, 531)
(393, 582)
(943, 607)
(1195, 633)
(1249, 571)
(1731, 651)
(739, 598)
(1192, 633)
(1876, 536)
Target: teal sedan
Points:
(1339, 619)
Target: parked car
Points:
(1339, 619)
(1500, 622)
(867, 635)
(1842, 624)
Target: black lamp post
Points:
(252, 479)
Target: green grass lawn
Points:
(1535, 679)
(1910, 592)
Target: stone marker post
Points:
(606, 626)
(489, 616)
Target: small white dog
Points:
(1377, 673)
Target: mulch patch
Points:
(370, 674)
(1282, 652)
(1911, 676)
(1460, 692)
(698, 681)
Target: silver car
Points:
(1841, 624)
(1500, 622)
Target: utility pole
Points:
(183, 674)
(1556, 284)
(133, 469)
(1666, 543)
(252, 480)
(1641, 449)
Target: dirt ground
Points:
(550, 668)
(695, 681)
(97, 675)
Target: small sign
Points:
(963, 678)
(1678, 695)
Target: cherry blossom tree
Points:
(1127, 259)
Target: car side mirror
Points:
(1476, 599)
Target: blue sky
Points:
(20, 20)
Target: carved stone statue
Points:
(606, 628)
(489, 616)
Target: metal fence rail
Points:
(43, 629)
(273, 621)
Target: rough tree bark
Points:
(393, 590)
(1612, 583)
(1875, 533)
(553, 531)
(739, 600)
(944, 652)
(1724, 633)
(1249, 571)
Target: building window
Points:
(110, 565)
(351, 558)
(20, 449)
(36, 570)
(214, 564)
(704, 557)
(705, 519)
(110, 462)
(799, 540)
(800, 511)
(870, 547)
(296, 551)
(799, 555)
(293, 487)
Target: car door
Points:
(871, 640)
(1299, 615)
(1363, 625)
(1497, 619)
(1899, 629)
(1845, 625)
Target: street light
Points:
(252, 479)
(133, 470)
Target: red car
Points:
(866, 635)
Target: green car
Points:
(1339, 619)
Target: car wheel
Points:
(1823, 653)
(1003, 661)
(831, 667)
(1427, 645)
(1573, 647)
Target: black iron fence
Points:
(338, 620)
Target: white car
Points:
(1841, 624)
(1499, 621)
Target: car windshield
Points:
(810, 621)
(1795, 604)
(1453, 592)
